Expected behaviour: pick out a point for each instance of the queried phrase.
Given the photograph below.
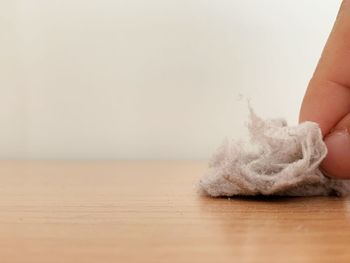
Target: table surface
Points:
(149, 211)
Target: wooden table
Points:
(149, 211)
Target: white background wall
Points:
(149, 79)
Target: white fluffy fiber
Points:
(283, 161)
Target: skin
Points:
(327, 98)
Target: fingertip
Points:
(337, 162)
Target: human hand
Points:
(327, 99)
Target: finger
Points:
(327, 99)
(337, 161)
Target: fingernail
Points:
(337, 161)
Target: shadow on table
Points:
(292, 226)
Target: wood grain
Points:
(149, 211)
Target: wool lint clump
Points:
(281, 160)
